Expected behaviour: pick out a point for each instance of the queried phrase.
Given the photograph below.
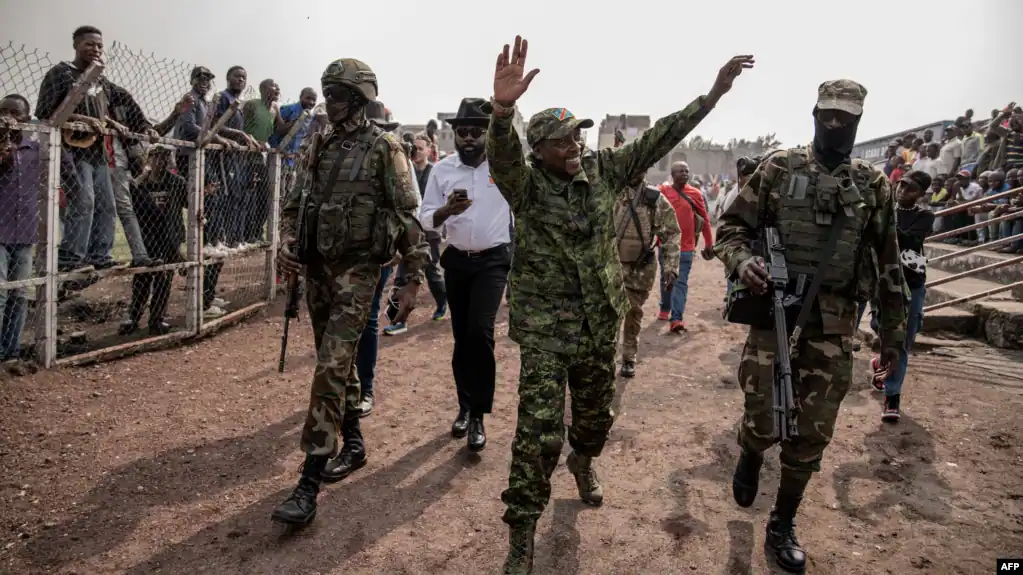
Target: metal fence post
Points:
(46, 294)
(273, 223)
(193, 240)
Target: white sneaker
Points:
(213, 313)
(220, 302)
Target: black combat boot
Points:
(520, 549)
(781, 528)
(299, 509)
(353, 451)
(628, 368)
(746, 479)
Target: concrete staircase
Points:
(998, 319)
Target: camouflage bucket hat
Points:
(353, 73)
(553, 124)
(844, 95)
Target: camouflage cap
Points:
(553, 124)
(844, 95)
(352, 73)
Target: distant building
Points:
(704, 163)
(446, 136)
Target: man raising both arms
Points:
(567, 292)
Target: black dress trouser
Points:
(475, 284)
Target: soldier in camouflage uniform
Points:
(804, 190)
(567, 293)
(357, 207)
(643, 215)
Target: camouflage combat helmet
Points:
(352, 73)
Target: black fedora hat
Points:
(472, 112)
(376, 112)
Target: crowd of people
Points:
(571, 237)
(967, 164)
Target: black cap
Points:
(918, 178)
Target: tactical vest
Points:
(635, 244)
(810, 200)
(349, 214)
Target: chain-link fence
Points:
(138, 204)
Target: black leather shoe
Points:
(477, 435)
(746, 479)
(781, 539)
(461, 425)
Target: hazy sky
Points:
(642, 57)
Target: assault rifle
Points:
(291, 307)
(785, 410)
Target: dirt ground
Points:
(171, 463)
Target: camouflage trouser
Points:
(633, 324)
(821, 376)
(339, 297)
(540, 431)
(638, 284)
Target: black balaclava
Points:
(355, 107)
(833, 147)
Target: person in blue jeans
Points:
(366, 353)
(913, 225)
(21, 168)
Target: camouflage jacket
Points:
(656, 222)
(369, 213)
(871, 209)
(567, 292)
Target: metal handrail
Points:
(976, 296)
(978, 202)
(967, 273)
(976, 248)
(977, 226)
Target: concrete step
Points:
(999, 317)
(1005, 275)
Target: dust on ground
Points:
(171, 462)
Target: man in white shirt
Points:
(972, 190)
(929, 162)
(462, 197)
(951, 152)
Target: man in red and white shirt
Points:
(687, 201)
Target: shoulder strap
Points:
(335, 170)
(826, 254)
(689, 200)
(635, 218)
(365, 142)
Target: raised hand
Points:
(728, 73)
(509, 81)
